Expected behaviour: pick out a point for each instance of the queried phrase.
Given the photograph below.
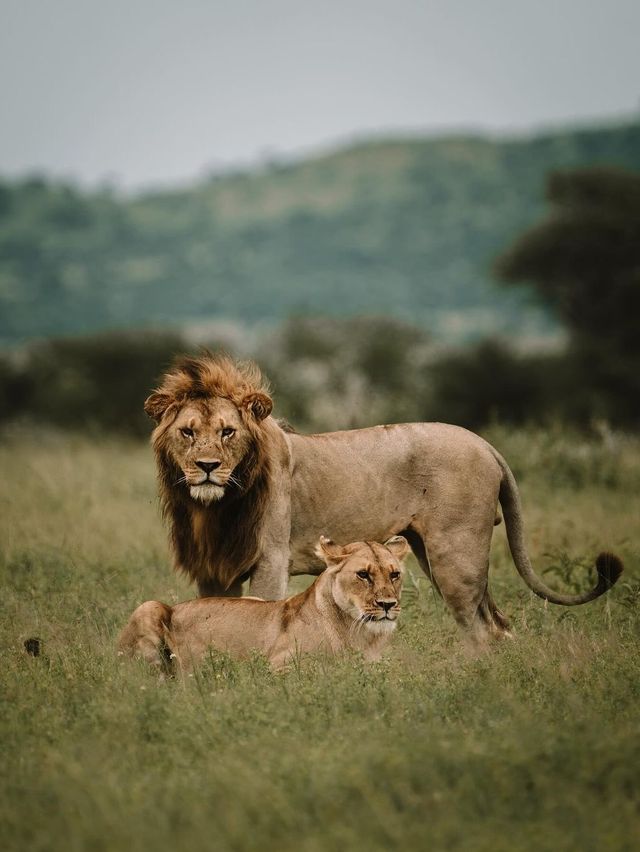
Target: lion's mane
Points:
(219, 542)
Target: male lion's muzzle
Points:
(206, 491)
(210, 483)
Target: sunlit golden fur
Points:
(353, 605)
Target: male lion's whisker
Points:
(234, 479)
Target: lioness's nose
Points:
(386, 605)
(208, 466)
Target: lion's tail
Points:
(608, 565)
(145, 634)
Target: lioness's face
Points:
(367, 579)
(207, 441)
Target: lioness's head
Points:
(209, 412)
(366, 579)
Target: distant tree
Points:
(584, 260)
(489, 382)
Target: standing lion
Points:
(246, 498)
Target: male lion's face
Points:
(367, 579)
(207, 441)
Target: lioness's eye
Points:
(188, 433)
(228, 431)
(364, 575)
(394, 575)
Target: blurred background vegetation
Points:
(372, 284)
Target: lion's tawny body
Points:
(259, 511)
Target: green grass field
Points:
(536, 746)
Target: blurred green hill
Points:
(407, 228)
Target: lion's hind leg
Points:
(457, 562)
(495, 621)
(144, 635)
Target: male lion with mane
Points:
(246, 497)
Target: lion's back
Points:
(369, 484)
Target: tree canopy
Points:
(584, 261)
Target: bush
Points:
(325, 373)
(96, 382)
(490, 383)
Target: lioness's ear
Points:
(259, 404)
(398, 545)
(330, 552)
(156, 405)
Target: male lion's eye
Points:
(364, 575)
(188, 433)
(228, 431)
(394, 575)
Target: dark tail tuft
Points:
(609, 568)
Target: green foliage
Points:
(489, 383)
(97, 382)
(333, 374)
(572, 461)
(326, 374)
(534, 747)
(572, 570)
(584, 259)
(403, 228)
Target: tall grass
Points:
(535, 746)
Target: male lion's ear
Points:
(259, 404)
(156, 405)
(330, 552)
(398, 545)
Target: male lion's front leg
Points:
(270, 577)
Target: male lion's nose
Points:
(386, 605)
(208, 466)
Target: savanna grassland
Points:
(536, 746)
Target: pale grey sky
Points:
(145, 91)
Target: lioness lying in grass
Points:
(353, 604)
